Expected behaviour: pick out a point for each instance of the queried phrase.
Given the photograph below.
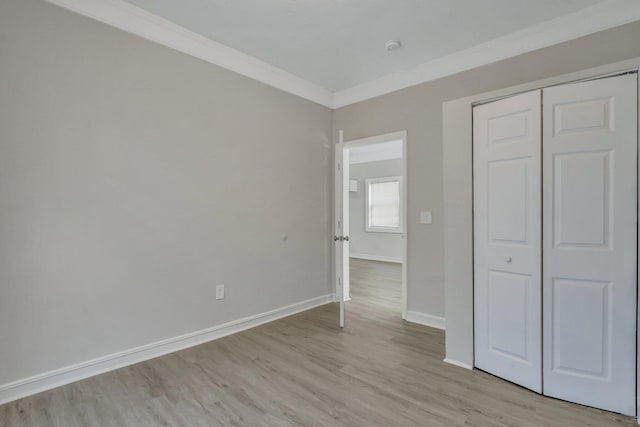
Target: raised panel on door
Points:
(507, 239)
(589, 235)
(508, 297)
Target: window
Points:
(384, 205)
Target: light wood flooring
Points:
(305, 371)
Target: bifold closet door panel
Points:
(590, 236)
(507, 282)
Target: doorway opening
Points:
(372, 200)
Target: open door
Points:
(340, 237)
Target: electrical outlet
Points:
(220, 292)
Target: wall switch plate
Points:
(425, 217)
(220, 292)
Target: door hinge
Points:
(338, 166)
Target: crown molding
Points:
(598, 17)
(135, 20)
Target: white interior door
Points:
(346, 276)
(507, 230)
(589, 280)
(338, 237)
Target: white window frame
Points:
(400, 228)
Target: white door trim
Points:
(458, 207)
(393, 136)
(338, 223)
(638, 261)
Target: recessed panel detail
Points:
(507, 200)
(584, 116)
(579, 306)
(507, 308)
(581, 200)
(508, 128)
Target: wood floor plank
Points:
(306, 371)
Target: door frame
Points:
(376, 139)
(458, 207)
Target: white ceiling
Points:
(332, 51)
(338, 44)
(375, 152)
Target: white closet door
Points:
(589, 279)
(507, 282)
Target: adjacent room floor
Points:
(305, 371)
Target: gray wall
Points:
(386, 245)
(419, 111)
(133, 179)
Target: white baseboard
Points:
(426, 319)
(376, 258)
(56, 378)
(458, 363)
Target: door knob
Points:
(336, 238)
(508, 259)
(346, 238)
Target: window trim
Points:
(374, 229)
